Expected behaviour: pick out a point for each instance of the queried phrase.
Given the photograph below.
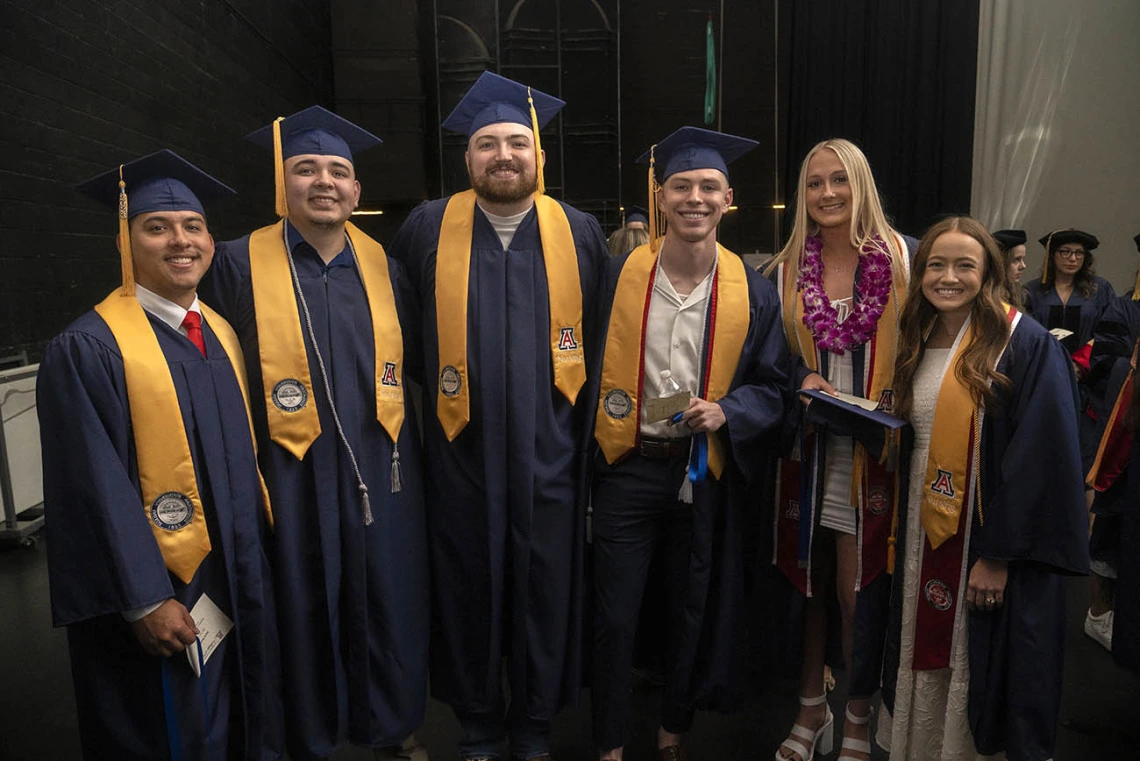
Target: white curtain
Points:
(1025, 51)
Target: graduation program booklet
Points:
(860, 411)
(213, 626)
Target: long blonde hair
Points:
(867, 216)
(976, 367)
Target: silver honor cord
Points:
(365, 504)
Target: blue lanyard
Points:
(173, 734)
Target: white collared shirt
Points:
(165, 309)
(173, 315)
(674, 339)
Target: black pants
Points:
(636, 510)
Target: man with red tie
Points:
(155, 508)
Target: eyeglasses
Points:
(1070, 253)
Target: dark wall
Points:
(897, 78)
(663, 88)
(85, 86)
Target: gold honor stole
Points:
(952, 483)
(452, 269)
(618, 419)
(166, 469)
(286, 380)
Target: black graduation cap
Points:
(1007, 239)
(316, 131)
(160, 181)
(494, 99)
(695, 148)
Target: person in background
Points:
(625, 239)
(991, 521)
(155, 509)
(1012, 244)
(843, 279)
(637, 218)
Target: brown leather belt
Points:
(664, 449)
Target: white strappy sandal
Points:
(822, 739)
(859, 746)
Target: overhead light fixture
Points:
(732, 208)
(367, 212)
(778, 206)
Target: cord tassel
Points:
(126, 260)
(281, 204)
(686, 493)
(397, 471)
(541, 189)
(366, 505)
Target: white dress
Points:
(930, 718)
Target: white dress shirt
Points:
(674, 341)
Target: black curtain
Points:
(896, 77)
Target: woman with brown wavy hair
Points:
(993, 517)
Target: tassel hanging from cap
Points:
(541, 188)
(281, 204)
(654, 218)
(126, 260)
(1048, 257)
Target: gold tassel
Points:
(654, 222)
(1048, 257)
(537, 146)
(1136, 287)
(126, 260)
(279, 170)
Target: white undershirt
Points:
(505, 227)
(674, 336)
(173, 315)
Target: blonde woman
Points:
(991, 519)
(842, 279)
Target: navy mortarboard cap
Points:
(1007, 239)
(637, 214)
(161, 181)
(1058, 238)
(314, 131)
(695, 148)
(494, 99)
(688, 148)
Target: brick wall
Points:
(87, 85)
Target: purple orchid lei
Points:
(871, 295)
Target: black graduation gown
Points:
(1039, 299)
(103, 559)
(506, 500)
(712, 645)
(1126, 619)
(352, 599)
(1034, 518)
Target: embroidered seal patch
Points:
(450, 382)
(617, 404)
(171, 511)
(289, 395)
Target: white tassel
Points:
(686, 493)
(366, 504)
(397, 472)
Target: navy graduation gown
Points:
(709, 661)
(506, 500)
(1126, 620)
(103, 559)
(1040, 298)
(1034, 516)
(352, 599)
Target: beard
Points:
(503, 191)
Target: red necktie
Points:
(193, 324)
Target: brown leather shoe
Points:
(673, 753)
